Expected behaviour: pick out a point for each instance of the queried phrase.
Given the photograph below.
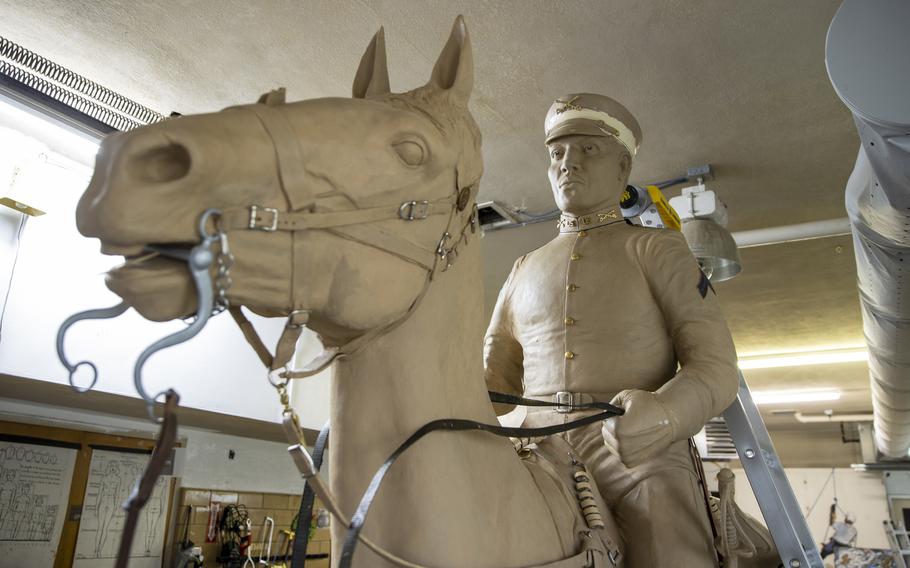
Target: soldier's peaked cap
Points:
(593, 115)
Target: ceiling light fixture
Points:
(806, 358)
(704, 220)
(790, 396)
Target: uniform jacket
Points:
(611, 308)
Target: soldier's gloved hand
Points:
(644, 431)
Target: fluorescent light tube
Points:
(802, 359)
(787, 396)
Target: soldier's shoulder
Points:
(657, 236)
(655, 241)
(554, 243)
(535, 255)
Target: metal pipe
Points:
(792, 233)
(866, 59)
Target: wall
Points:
(257, 465)
(502, 248)
(59, 272)
(862, 493)
(281, 508)
(260, 475)
(814, 445)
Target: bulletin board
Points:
(61, 482)
(35, 477)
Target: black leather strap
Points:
(703, 285)
(457, 425)
(305, 513)
(504, 398)
(167, 439)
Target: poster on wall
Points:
(112, 476)
(34, 490)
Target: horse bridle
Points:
(357, 225)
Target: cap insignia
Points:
(568, 105)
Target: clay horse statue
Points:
(355, 217)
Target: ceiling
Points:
(737, 84)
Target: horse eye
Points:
(410, 152)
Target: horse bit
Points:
(211, 297)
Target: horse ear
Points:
(372, 77)
(454, 70)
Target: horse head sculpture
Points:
(311, 196)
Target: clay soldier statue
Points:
(608, 311)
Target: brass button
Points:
(570, 355)
(571, 287)
(575, 256)
(582, 234)
(570, 321)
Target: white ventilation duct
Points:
(868, 60)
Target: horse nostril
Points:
(161, 164)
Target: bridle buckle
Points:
(255, 223)
(414, 210)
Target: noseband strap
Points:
(268, 219)
(284, 352)
(356, 225)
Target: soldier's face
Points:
(587, 172)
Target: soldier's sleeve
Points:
(502, 353)
(707, 380)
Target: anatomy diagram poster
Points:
(34, 490)
(111, 479)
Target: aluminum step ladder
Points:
(899, 539)
(772, 490)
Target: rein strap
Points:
(310, 466)
(460, 425)
(142, 492)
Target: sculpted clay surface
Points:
(364, 219)
(605, 312)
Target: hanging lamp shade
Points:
(713, 247)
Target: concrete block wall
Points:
(280, 507)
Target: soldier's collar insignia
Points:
(572, 224)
